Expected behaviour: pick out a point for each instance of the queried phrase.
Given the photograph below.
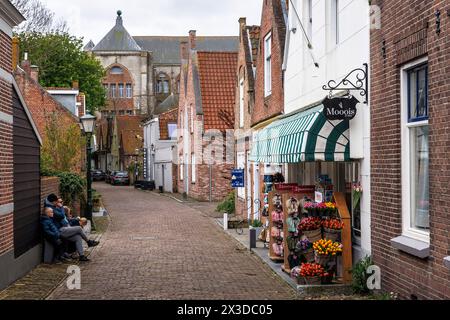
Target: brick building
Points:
(410, 103)
(19, 166)
(269, 87)
(245, 100)
(206, 112)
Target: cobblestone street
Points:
(158, 248)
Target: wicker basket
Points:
(309, 255)
(322, 260)
(332, 234)
(313, 235)
(309, 280)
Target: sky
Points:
(92, 19)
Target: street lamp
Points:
(88, 122)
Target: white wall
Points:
(303, 81)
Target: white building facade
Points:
(326, 40)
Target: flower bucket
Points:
(313, 235)
(309, 255)
(322, 259)
(332, 234)
(309, 280)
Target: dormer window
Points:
(163, 84)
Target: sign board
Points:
(318, 197)
(340, 108)
(237, 178)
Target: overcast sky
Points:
(92, 19)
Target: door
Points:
(27, 182)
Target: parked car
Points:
(98, 175)
(120, 177)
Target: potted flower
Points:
(310, 207)
(311, 228)
(258, 226)
(330, 209)
(325, 250)
(311, 274)
(332, 228)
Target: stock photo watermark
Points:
(73, 281)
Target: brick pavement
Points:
(158, 248)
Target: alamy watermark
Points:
(73, 282)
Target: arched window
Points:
(116, 70)
(162, 84)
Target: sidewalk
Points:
(307, 292)
(41, 281)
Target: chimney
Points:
(34, 73)
(25, 65)
(75, 85)
(242, 22)
(192, 39)
(15, 53)
(184, 54)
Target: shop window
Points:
(194, 168)
(129, 90)
(240, 159)
(415, 151)
(268, 64)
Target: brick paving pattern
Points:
(158, 248)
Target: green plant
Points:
(256, 223)
(227, 205)
(71, 187)
(360, 276)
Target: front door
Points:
(256, 201)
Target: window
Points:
(415, 151)
(116, 70)
(162, 84)
(181, 168)
(192, 119)
(112, 90)
(172, 130)
(106, 87)
(335, 20)
(193, 164)
(241, 103)
(121, 90)
(129, 90)
(309, 17)
(268, 65)
(240, 159)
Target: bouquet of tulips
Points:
(334, 224)
(310, 223)
(324, 247)
(312, 270)
(304, 244)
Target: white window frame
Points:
(407, 188)
(268, 64)
(193, 168)
(129, 90)
(240, 162)
(172, 135)
(241, 103)
(121, 90)
(112, 90)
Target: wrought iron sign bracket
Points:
(356, 80)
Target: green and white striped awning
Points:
(305, 136)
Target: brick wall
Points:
(6, 150)
(49, 185)
(406, 36)
(272, 21)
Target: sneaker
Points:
(64, 259)
(84, 259)
(92, 243)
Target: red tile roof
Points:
(217, 71)
(164, 119)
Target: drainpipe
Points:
(210, 182)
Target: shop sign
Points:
(237, 178)
(340, 108)
(145, 167)
(318, 197)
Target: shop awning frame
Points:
(303, 137)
